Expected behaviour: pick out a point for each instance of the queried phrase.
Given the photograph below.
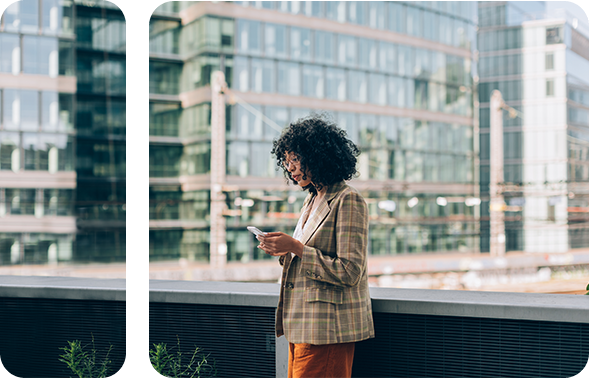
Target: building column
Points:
(497, 204)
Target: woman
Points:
(324, 305)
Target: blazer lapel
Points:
(316, 220)
(322, 210)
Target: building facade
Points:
(539, 60)
(397, 75)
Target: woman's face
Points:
(292, 164)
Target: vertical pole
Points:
(497, 204)
(218, 243)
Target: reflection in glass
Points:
(9, 52)
(313, 82)
(335, 84)
(263, 74)
(324, 47)
(289, 78)
(347, 50)
(275, 40)
(335, 10)
(300, 44)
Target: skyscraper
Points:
(398, 77)
(539, 60)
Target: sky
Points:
(571, 7)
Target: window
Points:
(335, 10)
(549, 61)
(368, 53)
(248, 34)
(356, 12)
(275, 40)
(554, 35)
(347, 47)
(549, 87)
(9, 53)
(324, 47)
(335, 84)
(357, 86)
(378, 89)
(300, 44)
(263, 74)
(313, 81)
(289, 78)
(40, 56)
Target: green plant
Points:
(587, 288)
(82, 363)
(175, 364)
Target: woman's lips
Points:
(296, 177)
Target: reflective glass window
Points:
(314, 8)
(66, 58)
(57, 16)
(241, 74)
(11, 17)
(289, 78)
(313, 81)
(249, 125)
(347, 50)
(238, 159)
(48, 152)
(430, 25)
(29, 15)
(357, 12)
(368, 53)
(300, 44)
(164, 119)
(263, 75)
(324, 47)
(335, 10)
(378, 89)
(40, 55)
(275, 40)
(50, 111)
(405, 60)
(414, 21)
(376, 14)
(196, 159)
(248, 35)
(263, 164)
(101, 33)
(388, 57)
(10, 151)
(279, 115)
(21, 201)
(58, 202)
(335, 84)
(163, 77)
(349, 122)
(164, 161)
(357, 86)
(9, 53)
(164, 36)
(397, 17)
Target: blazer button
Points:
(289, 285)
(308, 273)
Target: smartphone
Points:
(256, 231)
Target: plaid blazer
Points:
(324, 296)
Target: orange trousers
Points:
(320, 361)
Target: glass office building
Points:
(539, 60)
(399, 77)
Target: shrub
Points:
(84, 364)
(175, 364)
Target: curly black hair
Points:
(324, 150)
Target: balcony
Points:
(419, 333)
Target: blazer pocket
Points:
(323, 294)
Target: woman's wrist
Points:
(299, 247)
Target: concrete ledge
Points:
(541, 307)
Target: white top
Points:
(298, 232)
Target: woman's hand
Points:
(279, 244)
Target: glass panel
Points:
(357, 12)
(347, 47)
(40, 56)
(289, 78)
(313, 81)
(164, 77)
(357, 86)
(378, 89)
(9, 151)
(335, 10)
(164, 36)
(376, 14)
(263, 75)
(275, 41)
(368, 53)
(397, 17)
(300, 44)
(388, 57)
(248, 33)
(29, 16)
(57, 16)
(9, 53)
(335, 85)
(324, 47)
(238, 161)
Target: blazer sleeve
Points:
(351, 235)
